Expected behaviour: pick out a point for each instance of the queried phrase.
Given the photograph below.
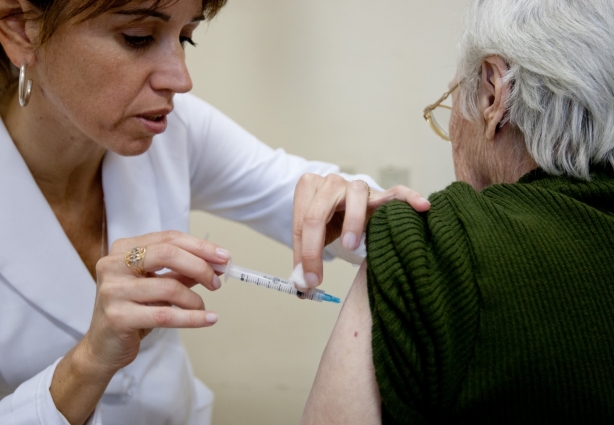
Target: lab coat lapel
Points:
(36, 257)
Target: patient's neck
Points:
(503, 160)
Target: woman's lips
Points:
(155, 124)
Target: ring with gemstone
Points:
(135, 260)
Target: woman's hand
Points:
(326, 208)
(128, 306)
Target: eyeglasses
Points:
(438, 115)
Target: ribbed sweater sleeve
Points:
(496, 307)
(424, 303)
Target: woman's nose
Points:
(172, 73)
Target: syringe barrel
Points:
(271, 282)
(314, 295)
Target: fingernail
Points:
(349, 241)
(216, 282)
(211, 318)
(312, 280)
(424, 200)
(223, 254)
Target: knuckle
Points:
(163, 317)
(311, 219)
(171, 235)
(336, 179)
(102, 265)
(166, 252)
(297, 231)
(309, 256)
(203, 245)
(193, 321)
(308, 178)
(169, 289)
(120, 245)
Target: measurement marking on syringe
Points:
(277, 284)
(271, 282)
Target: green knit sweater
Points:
(496, 307)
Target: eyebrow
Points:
(145, 13)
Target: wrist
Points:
(86, 364)
(78, 383)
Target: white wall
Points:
(334, 80)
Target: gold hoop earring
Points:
(25, 88)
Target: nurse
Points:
(102, 156)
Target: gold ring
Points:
(366, 184)
(135, 259)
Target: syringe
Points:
(271, 282)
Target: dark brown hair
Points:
(54, 13)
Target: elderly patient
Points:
(496, 306)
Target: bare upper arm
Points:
(345, 390)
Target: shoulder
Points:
(458, 214)
(424, 302)
(397, 223)
(422, 244)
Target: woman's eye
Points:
(138, 42)
(183, 39)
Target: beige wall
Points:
(335, 80)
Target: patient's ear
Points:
(18, 34)
(493, 94)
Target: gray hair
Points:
(560, 55)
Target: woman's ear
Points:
(493, 94)
(18, 34)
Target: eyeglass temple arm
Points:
(441, 99)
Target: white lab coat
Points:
(203, 161)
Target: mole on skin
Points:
(355, 334)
